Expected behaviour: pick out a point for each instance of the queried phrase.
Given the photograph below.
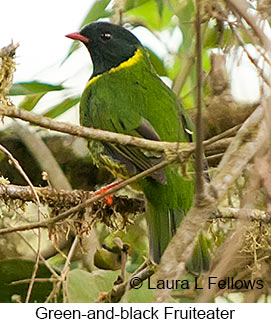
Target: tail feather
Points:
(200, 260)
(162, 226)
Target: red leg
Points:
(103, 189)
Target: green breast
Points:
(117, 100)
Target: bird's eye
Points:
(105, 36)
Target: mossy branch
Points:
(60, 200)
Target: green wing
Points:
(135, 159)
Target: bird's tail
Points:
(163, 224)
(162, 227)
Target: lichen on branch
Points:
(7, 68)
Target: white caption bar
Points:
(170, 312)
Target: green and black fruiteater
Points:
(125, 95)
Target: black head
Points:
(108, 44)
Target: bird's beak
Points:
(77, 36)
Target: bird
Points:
(125, 95)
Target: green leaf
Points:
(160, 6)
(105, 259)
(141, 295)
(174, 70)
(35, 87)
(149, 14)
(17, 269)
(157, 63)
(30, 101)
(97, 11)
(186, 17)
(62, 107)
(210, 38)
(85, 287)
(206, 60)
(186, 96)
(131, 4)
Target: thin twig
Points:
(66, 268)
(68, 260)
(199, 124)
(249, 56)
(36, 280)
(36, 265)
(64, 272)
(242, 8)
(227, 133)
(21, 171)
(41, 257)
(244, 214)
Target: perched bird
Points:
(125, 95)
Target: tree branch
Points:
(122, 204)
(90, 133)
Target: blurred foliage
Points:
(35, 87)
(12, 270)
(84, 287)
(34, 91)
(61, 107)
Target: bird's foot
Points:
(105, 188)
